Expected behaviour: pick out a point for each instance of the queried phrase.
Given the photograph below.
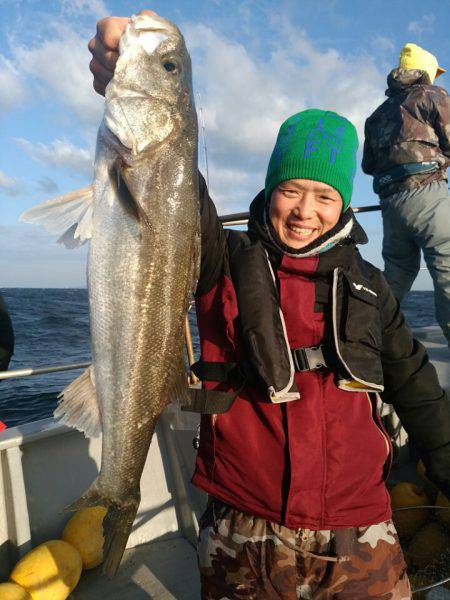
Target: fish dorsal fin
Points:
(78, 405)
(69, 215)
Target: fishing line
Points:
(203, 130)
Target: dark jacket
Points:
(6, 336)
(411, 126)
(369, 348)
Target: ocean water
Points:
(52, 328)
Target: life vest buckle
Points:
(308, 359)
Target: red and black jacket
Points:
(304, 462)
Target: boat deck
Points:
(161, 570)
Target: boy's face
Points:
(301, 210)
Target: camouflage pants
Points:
(246, 557)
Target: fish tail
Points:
(117, 526)
(117, 523)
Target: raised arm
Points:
(213, 244)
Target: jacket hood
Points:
(259, 226)
(400, 80)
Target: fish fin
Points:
(117, 526)
(91, 497)
(70, 214)
(117, 523)
(78, 405)
(129, 203)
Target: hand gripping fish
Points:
(141, 216)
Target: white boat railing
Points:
(13, 374)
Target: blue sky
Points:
(254, 63)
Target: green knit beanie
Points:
(315, 144)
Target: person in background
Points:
(407, 150)
(6, 341)
(306, 334)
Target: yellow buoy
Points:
(408, 521)
(49, 571)
(428, 545)
(12, 591)
(85, 532)
(443, 515)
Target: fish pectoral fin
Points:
(69, 215)
(208, 402)
(128, 202)
(78, 405)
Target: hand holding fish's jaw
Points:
(104, 47)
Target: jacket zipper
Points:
(383, 435)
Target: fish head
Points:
(150, 96)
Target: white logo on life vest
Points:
(360, 286)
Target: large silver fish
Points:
(142, 218)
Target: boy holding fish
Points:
(306, 334)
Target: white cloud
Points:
(245, 99)
(232, 188)
(10, 185)
(423, 25)
(96, 8)
(61, 154)
(383, 43)
(12, 88)
(61, 63)
(48, 185)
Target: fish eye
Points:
(170, 66)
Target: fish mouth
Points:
(150, 30)
(117, 92)
(153, 23)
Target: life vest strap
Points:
(305, 359)
(308, 359)
(215, 371)
(208, 402)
